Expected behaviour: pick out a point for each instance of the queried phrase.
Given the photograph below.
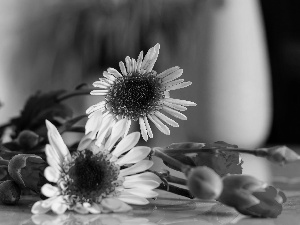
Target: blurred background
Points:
(242, 57)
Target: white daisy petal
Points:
(104, 82)
(133, 65)
(114, 72)
(52, 174)
(135, 155)
(123, 208)
(101, 84)
(53, 158)
(111, 203)
(172, 76)
(166, 119)
(59, 208)
(49, 201)
(139, 61)
(93, 122)
(142, 184)
(150, 58)
(123, 68)
(93, 208)
(95, 108)
(85, 141)
(108, 81)
(58, 147)
(145, 193)
(128, 64)
(126, 143)
(171, 83)
(174, 106)
(162, 127)
(80, 209)
(117, 131)
(49, 190)
(108, 76)
(168, 72)
(86, 205)
(119, 188)
(57, 142)
(127, 128)
(107, 122)
(174, 113)
(179, 85)
(136, 168)
(133, 199)
(37, 208)
(143, 128)
(147, 58)
(143, 177)
(150, 63)
(99, 92)
(150, 134)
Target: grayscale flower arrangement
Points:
(105, 171)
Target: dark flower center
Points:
(135, 95)
(86, 173)
(90, 177)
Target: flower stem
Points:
(176, 180)
(68, 126)
(167, 177)
(176, 190)
(73, 94)
(156, 151)
(256, 152)
(4, 162)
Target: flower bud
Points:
(251, 197)
(28, 139)
(27, 170)
(281, 154)
(9, 192)
(204, 183)
(3, 172)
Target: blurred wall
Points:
(219, 44)
(47, 45)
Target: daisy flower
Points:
(138, 93)
(97, 178)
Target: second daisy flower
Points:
(138, 93)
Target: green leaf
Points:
(40, 107)
(222, 162)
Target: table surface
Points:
(169, 209)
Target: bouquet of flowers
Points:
(105, 171)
